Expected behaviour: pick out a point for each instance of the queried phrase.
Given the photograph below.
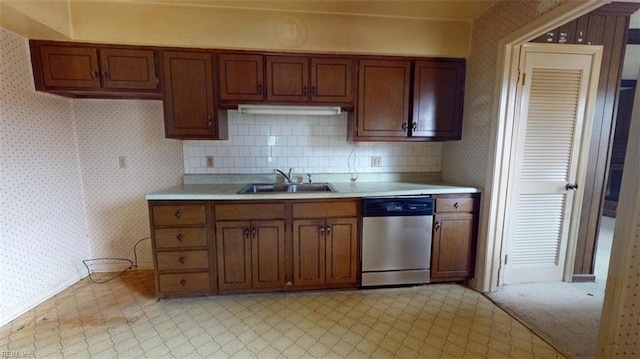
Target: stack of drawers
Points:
(182, 248)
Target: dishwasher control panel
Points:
(397, 206)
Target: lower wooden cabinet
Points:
(454, 237)
(250, 255)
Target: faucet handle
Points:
(309, 176)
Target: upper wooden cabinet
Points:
(241, 77)
(408, 101)
(438, 94)
(92, 71)
(189, 98)
(383, 98)
(252, 78)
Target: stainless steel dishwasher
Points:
(396, 240)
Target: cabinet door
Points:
(268, 258)
(287, 78)
(128, 69)
(331, 80)
(308, 252)
(233, 247)
(438, 99)
(453, 246)
(241, 77)
(64, 66)
(188, 95)
(383, 98)
(341, 250)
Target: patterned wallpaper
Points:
(308, 144)
(43, 233)
(466, 161)
(117, 212)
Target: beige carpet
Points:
(565, 314)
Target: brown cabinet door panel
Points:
(331, 80)
(437, 99)
(383, 98)
(308, 252)
(287, 78)
(64, 66)
(268, 258)
(453, 246)
(241, 77)
(342, 250)
(233, 246)
(128, 69)
(188, 94)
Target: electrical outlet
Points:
(376, 161)
(122, 161)
(210, 162)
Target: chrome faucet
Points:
(287, 177)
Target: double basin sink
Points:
(287, 188)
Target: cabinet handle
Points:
(179, 237)
(183, 282)
(322, 230)
(437, 226)
(259, 89)
(456, 205)
(305, 91)
(328, 230)
(210, 123)
(404, 127)
(94, 74)
(105, 74)
(313, 90)
(254, 232)
(178, 214)
(414, 126)
(246, 232)
(181, 260)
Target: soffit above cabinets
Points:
(465, 10)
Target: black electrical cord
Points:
(132, 264)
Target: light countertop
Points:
(229, 191)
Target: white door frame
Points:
(492, 214)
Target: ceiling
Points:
(465, 10)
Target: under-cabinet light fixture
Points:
(289, 110)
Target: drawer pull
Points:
(181, 260)
(183, 282)
(178, 214)
(437, 226)
(455, 205)
(179, 237)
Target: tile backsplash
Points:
(307, 144)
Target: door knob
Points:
(571, 186)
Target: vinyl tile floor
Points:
(122, 319)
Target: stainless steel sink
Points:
(287, 187)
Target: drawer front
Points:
(181, 237)
(179, 215)
(183, 282)
(455, 204)
(325, 209)
(182, 260)
(253, 211)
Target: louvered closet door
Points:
(548, 133)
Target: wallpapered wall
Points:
(117, 212)
(466, 161)
(64, 196)
(43, 231)
(308, 144)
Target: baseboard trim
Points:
(583, 278)
(30, 303)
